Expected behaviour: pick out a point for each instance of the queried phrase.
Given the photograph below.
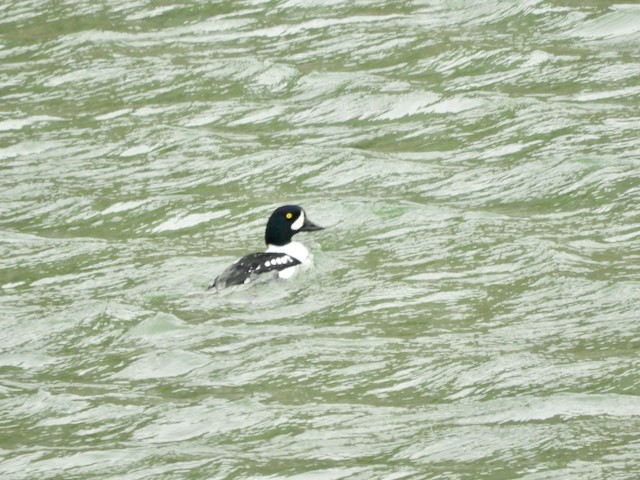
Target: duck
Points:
(282, 255)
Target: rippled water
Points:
(474, 310)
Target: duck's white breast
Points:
(295, 250)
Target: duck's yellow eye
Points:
(289, 215)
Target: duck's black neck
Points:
(278, 232)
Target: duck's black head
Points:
(285, 222)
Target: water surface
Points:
(473, 310)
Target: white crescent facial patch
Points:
(297, 225)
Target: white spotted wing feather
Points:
(248, 267)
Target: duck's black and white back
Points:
(283, 255)
(249, 266)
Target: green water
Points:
(474, 307)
